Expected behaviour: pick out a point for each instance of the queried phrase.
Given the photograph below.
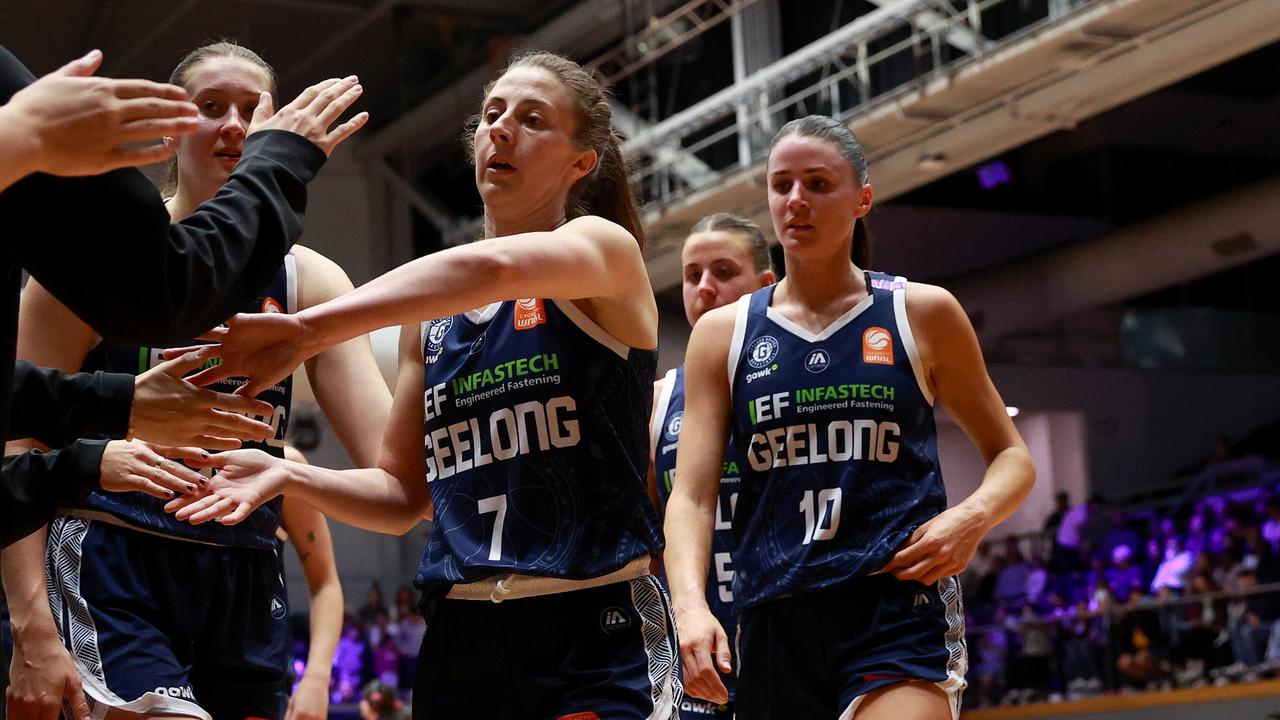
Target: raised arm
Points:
(957, 377)
(691, 508)
(589, 260)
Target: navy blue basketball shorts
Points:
(607, 652)
(164, 626)
(815, 656)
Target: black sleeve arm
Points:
(56, 407)
(103, 245)
(33, 483)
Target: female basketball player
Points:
(167, 619)
(846, 550)
(724, 258)
(540, 603)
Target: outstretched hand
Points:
(704, 653)
(169, 410)
(263, 348)
(84, 125)
(246, 479)
(313, 112)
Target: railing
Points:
(1151, 643)
(899, 46)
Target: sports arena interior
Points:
(1097, 181)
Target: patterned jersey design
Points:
(836, 443)
(536, 445)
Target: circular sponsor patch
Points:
(673, 426)
(817, 361)
(762, 351)
(435, 334)
(613, 619)
(877, 339)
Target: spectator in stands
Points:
(1093, 533)
(378, 701)
(1011, 582)
(1137, 661)
(1123, 577)
(373, 604)
(348, 662)
(1271, 526)
(1037, 580)
(989, 670)
(380, 628)
(1199, 625)
(1083, 642)
(405, 604)
(1068, 544)
(1245, 626)
(386, 661)
(1061, 506)
(1119, 534)
(1035, 655)
(1173, 569)
(409, 631)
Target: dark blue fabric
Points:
(532, 421)
(837, 447)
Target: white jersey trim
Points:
(739, 337)
(291, 283)
(909, 342)
(480, 316)
(589, 326)
(663, 404)
(835, 326)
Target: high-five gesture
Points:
(71, 123)
(313, 112)
(265, 348)
(169, 410)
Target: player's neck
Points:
(185, 201)
(818, 284)
(543, 219)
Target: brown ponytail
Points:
(606, 190)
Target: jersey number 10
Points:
(821, 514)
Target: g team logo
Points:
(435, 337)
(269, 305)
(673, 427)
(762, 351)
(817, 361)
(529, 314)
(877, 346)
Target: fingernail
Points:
(352, 77)
(204, 456)
(191, 488)
(204, 481)
(171, 493)
(358, 88)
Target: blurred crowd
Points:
(1112, 600)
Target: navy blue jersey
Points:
(536, 445)
(667, 419)
(837, 443)
(147, 512)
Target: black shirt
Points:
(105, 248)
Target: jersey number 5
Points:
(496, 504)
(821, 514)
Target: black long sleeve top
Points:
(104, 246)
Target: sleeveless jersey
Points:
(146, 512)
(665, 433)
(536, 445)
(837, 443)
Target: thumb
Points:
(724, 659)
(264, 111)
(82, 67)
